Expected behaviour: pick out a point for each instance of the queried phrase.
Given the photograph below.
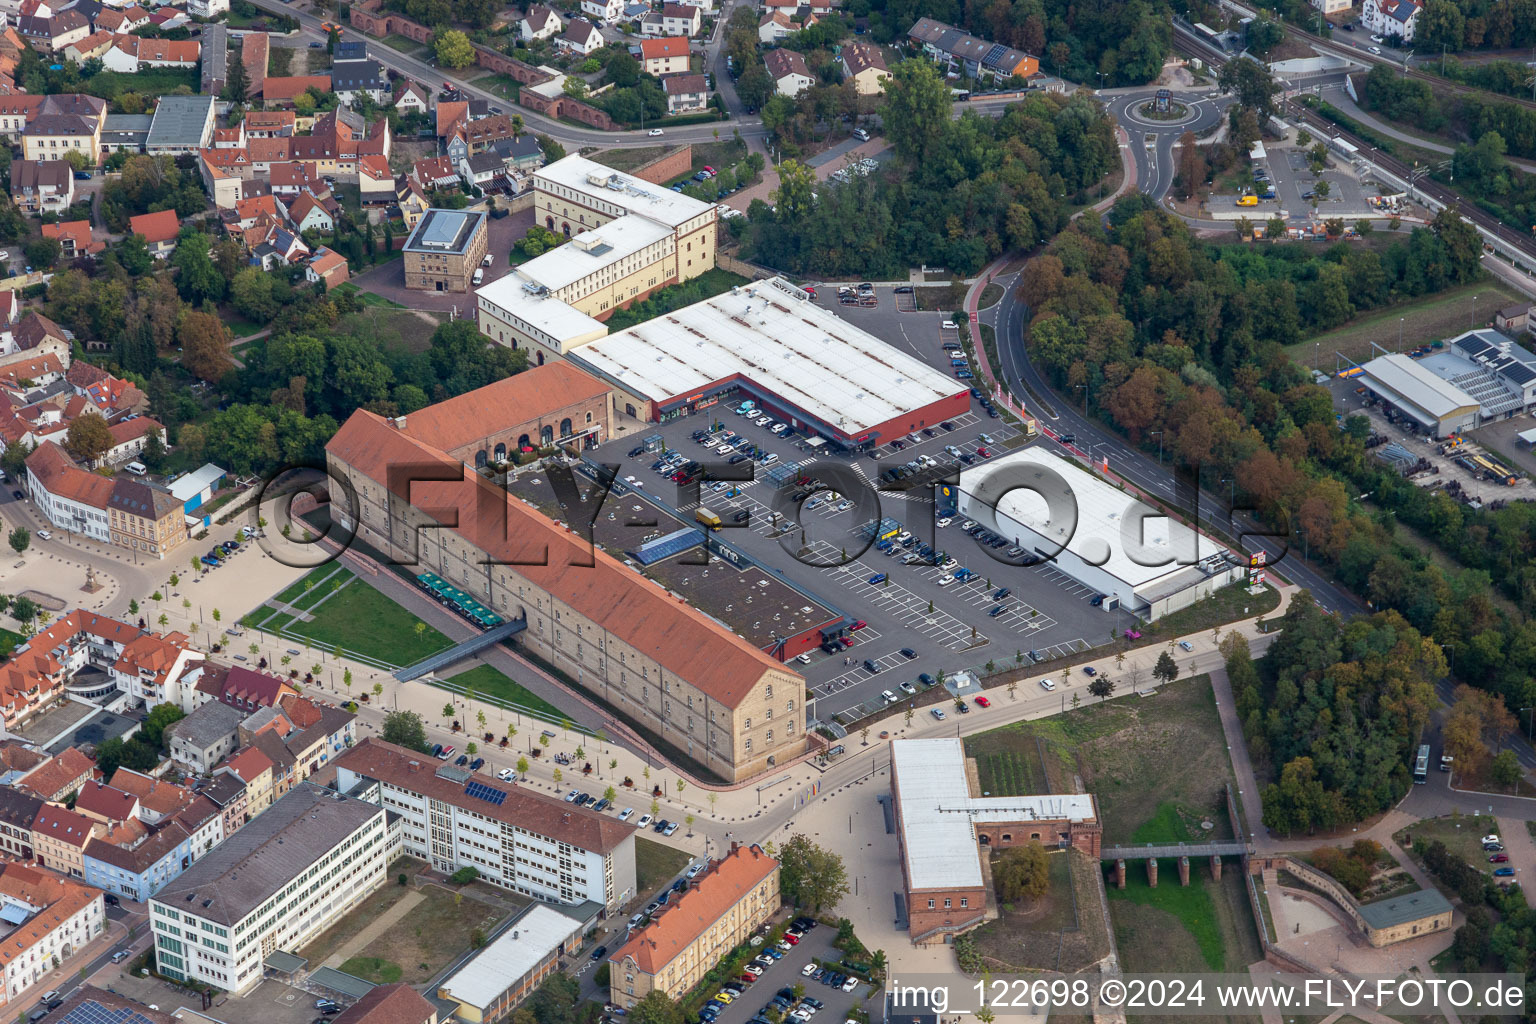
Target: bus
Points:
(1421, 766)
(1353, 371)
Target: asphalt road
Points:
(1155, 162)
(1057, 415)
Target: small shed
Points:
(197, 487)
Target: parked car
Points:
(1498, 858)
(644, 820)
(1503, 872)
(937, 713)
(1047, 685)
(983, 702)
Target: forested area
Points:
(1169, 333)
(961, 191)
(1454, 25)
(1334, 710)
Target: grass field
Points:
(1461, 833)
(943, 298)
(1204, 926)
(436, 932)
(1157, 765)
(487, 681)
(655, 864)
(1063, 930)
(1229, 604)
(371, 968)
(364, 914)
(361, 619)
(316, 576)
(1434, 317)
(401, 43)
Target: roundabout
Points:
(1153, 135)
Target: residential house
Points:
(18, 811)
(788, 70)
(52, 34)
(225, 173)
(57, 778)
(292, 177)
(42, 186)
(1390, 18)
(435, 173)
(411, 98)
(353, 78)
(205, 737)
(774, 26)
(159, 231)
(410, 199)
(686, 94)
(482, 170)
(131, 53)
(282, 91)
(257, 774)
(233, 137)
(328, 268)
(350, 49)
(123, 21)
(375, 182)
(450, 114)
(581, 37)
(672, 20)
(241, 688)
(207, 8)
(59, 836)
(94, 45)
(521, 154)
(63, 122)
(280, 248)
(603, 10)
(129, 438)
(269, 124)
(864, 65)
(227, 792)
(306, 214)
(664, 55)
(540, 22)
(125, 132)
(16, 109)
(967, 54)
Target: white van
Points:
(137, 468)
(861, 134)
(479, 275)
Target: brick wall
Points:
(565, 106)
(500, 63)
(667, 166)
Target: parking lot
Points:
(822, 544)
(788, 972)
(1293, 179)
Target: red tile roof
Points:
(290, 87)
(52, 779)
(708, 899)
(63, 825)
(156, 227)
(106, 802)
(665, 46)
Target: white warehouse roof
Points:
(937, 812)
(1094, 528)
(587, 253)
(184, 488)
(526, 943)
(1418, 386)
(771, 334)
(620, 190)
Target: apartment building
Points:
(57, 918)
(18, 812)
(276, 884)
(532, 844)
(686, 939)
(146, 668)
(64, 122)
(59, 836)
(122, 511)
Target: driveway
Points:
(821, 164)
(388, 279)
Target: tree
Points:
(1505, 769)
(21, 539)
(656, 1007)
(88, 438)
(454, 50)
(1022, 873)
(1102, 687)
(1191, 165)
(406, 729)
(43, 253)
(159, 718)
(197, 278)
(238, 84)
(793, 199)
(1251, 81)
(916, 110)
(1165, 669)
(204, 345)
(1264, 35)
(522, 766)
(811, 877)
(1463, 246)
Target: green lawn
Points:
(369, 298)
(655, 864)
(487, 681)
(8, 642)
(1156, 928)
(110, 84)
(330, 571)
(401, 43)
(374, 969)
(1461, 833)
(361, 619)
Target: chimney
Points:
(399, 422)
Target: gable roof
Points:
(106, 802)
(163, 226)
(861, 57)
(450, 113)
(580, 30)
(782, 63)
(389, 1004)
(63, 825)
(678, 924)
(635, 610)
(48, 779)
(679, 85)
(289, 87)
(469, 418)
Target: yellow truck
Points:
(1247, 200)
(708, 518)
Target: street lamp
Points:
(1452, 649)
(1159, 434)
(1530, 726)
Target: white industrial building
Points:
(1478, 377)
(499, 977)
(1102, 537)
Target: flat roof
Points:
(186, 486)
(636, 195)
(771, 334)
(1093, 524)
(1416, 385)
(508, 299)
(938, 812)
(524, 944)
(445, 232)
(281, 843)
(180, 121)
(588, 253)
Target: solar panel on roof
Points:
(994, 55)
(1519, 373)
(92, 1012)
(490, 794)
(661, 548)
